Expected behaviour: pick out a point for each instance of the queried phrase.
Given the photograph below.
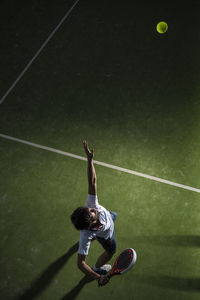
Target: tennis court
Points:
(99, 71)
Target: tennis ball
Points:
(162, 27)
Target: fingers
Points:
(89, 153)
(85, 144)
(103, 280)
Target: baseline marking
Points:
(37, 53)
(102, 163)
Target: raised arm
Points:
(92, 178)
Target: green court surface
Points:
(108, 77)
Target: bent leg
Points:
(103, 259)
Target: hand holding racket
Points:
(124, 262)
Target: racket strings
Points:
(124, 260)
(123, 263)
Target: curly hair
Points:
(81, 218)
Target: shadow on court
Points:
(76, 290)
(46, 277)
(187, 284)
(169, 282)
(171, 240)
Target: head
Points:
(84, 218)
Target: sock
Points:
(95, 268)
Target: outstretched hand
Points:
(90, 154)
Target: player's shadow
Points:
(76, 290)
(46, 277)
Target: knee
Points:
(109, 254)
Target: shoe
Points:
(102, 270)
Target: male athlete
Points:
(94, 222)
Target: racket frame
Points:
(128, 268)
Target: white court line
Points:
(37, 53)
(101, 163)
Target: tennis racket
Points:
(124, 262)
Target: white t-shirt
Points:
(105, 230)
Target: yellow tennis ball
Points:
(162, 27)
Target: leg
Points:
(109, 245)
(103, 259)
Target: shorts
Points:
(110, 245)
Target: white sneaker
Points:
(102, 270)
(107, 268)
